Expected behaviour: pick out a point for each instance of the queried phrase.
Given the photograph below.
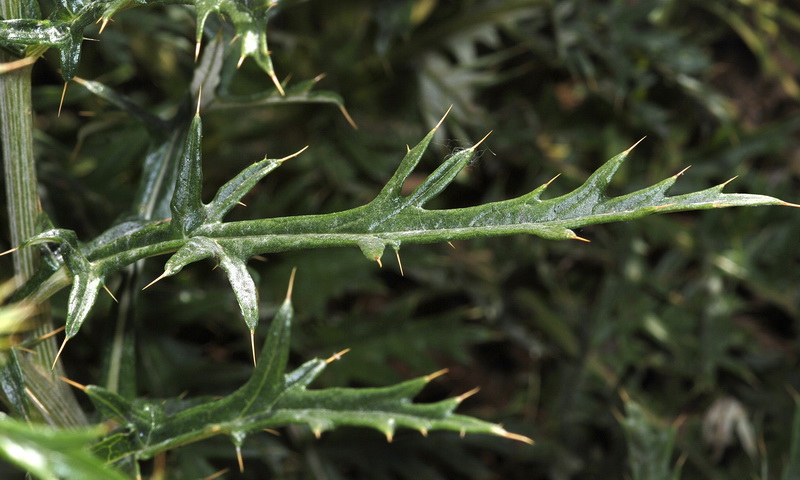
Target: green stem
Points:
(16, 131)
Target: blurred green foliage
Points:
(678, 311)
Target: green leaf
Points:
(391, 219)
(187, 207)
(49, 453)
(271, 399)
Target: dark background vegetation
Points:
(687, 316)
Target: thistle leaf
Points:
(391, 219)
(272, 398)
(188, 211)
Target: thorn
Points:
(53, 333)
(63, 94)
(399, 263)
(273, 431)
(105, 22)
(787, 204)
(380, 264)
(436, 374)
(242, 204)
(547, 184)
(277, 84)
(63, 344)
(9, 251)
(423, 431)
(466, 395)
(253, 345)
(216, 475)
(91, 39)
(241, 59)
(575, 237)
(291, 284)
(240, 459)
(462, 433)
(451, 244)
(634, 145)
(481, 140)
(443, 117)
(17, 64)
(682, 171)
(161, 277)
(408, 149)
(513, 436)
(348, 117)
(721, 185)
(319, 77)
(110, 294)
(389, 437)
(317, 433)
(260, 258)
(336, 356)
(199, 99)
(197, 50)
(73, 383)
(36, 400)
(293, 155)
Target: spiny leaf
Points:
(391, 219)
(272, 398)
(188, 211)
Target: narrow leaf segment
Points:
(196, 231)
(272, 399)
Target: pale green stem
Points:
(58, 404)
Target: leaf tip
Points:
(468, 394)
(726, 182)
(682, 171)
(336, 356)
(281, 160)
(291, 284)
(482, 140)
(380, 264)
(197, 50)
(442, 119)
(239, 458)
(9, 251)
(576, 237)
(348, 117)
(105, 287)
(253, 346)
(277, 84)
(787, 204)
(436, 374)
(160, 277)
(63, 95)
(634, 145)
(399, 263)
(199, 101)
(72, 383)
(58, 355)
(512, 436)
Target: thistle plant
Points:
(169, 217)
